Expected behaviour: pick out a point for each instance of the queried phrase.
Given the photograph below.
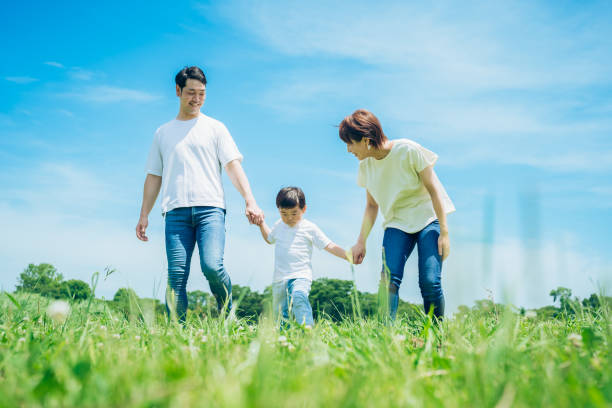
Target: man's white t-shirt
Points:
(189, 156)
(293, 251)
(395, 184)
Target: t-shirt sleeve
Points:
(420, 157)
(319, 239)
(273, 232)
(361, 176)
(226, 147)
(155, 163)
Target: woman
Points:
(399, 180)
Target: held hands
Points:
(253, 213)
(143, 223)
(358, 251)
(443, 245)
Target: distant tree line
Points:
(333, 299)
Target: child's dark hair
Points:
(289, 197)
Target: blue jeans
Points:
(292, 295)
(184, 227)
(397, 247)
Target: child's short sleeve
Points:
(273, 232)
(155, 164)
(226, 147)
(420, 157)
(319, 239)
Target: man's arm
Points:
(239, 180)
(429, 181)
(149, 195)
(369, 218)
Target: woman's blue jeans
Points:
(292, 295)
(184, 227)
(397, 247)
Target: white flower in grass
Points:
(100, 345)
(204, 339)
(531, 314)
(21, 340)
(58, 311)
(290, 347)
(575, 339)
(103, 328)
(137, 338)
(26, 319)
(282, 339)
(116, 336)
(399, 338)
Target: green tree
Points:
(331, 297)
(75, 289)
(201, 303)
(565, 299)
(42, 278)
(249, 303)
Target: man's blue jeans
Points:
(184, 227)
(292, 295)
(397, 247)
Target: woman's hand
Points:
(443, 245)
(359, 252)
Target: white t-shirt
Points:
(395, 184)
(189, 156)
(293, 251)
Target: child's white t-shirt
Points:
(293, 251)
(189, 156)
(395, 184)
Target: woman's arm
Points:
(428, 176)
(369, 218)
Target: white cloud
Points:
(81, 74)
(111, 94)
(54, 64)
(21, 79)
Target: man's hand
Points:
(443, 245)
(253, 213)
(143, 223)
(359, 252)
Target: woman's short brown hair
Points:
(362, 123)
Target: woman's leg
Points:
(397, 246)
(430, 269)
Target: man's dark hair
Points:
(189, 73)
(362, 124)
(289, 197)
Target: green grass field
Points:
(495, 359)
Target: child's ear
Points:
(304, 209)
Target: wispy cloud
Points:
(111, 94)
(21, 79)
(81, 74)
(54, 64)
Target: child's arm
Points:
(265, 231)
(336, 250)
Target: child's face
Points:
(291, 216)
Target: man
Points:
(185, 161)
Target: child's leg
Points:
(280, 308)
(299, 290)
(397, 246)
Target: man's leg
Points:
(180, 241)
(299, 290)
(430, 269)
(210, 235)
(397, 246)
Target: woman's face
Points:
(359, 149)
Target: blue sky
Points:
(515, 97)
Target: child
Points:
(294, 237)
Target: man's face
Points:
(192, 97)
(291, 216)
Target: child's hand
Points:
(349, 255)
